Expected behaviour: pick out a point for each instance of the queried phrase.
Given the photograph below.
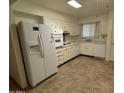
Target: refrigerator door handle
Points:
(41, 45)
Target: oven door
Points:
(58, 42)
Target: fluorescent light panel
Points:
(74, 3)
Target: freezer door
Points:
(49, 49)
(32, 52)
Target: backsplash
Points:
(98, 39)
(70, 39)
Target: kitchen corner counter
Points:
(98, 42)
(68, 45)
(71, 44)
(78, 43)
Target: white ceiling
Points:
(90, 7)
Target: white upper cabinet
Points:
(73, 29)
(51, 22)
(92, 30)
(65, 26)
(103, 27)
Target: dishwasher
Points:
(100, 50)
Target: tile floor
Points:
(80, 75)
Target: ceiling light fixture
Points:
(74, 3)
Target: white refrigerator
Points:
(38, 49)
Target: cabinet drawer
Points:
(59, 58)
(59, 50)
(59, 54)
(87, 49)
(87, 52)
(60, 62)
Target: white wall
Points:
(103, 19)
(16, 67)
(106, 27)
(18, 16)
(110, 34)
(29, 7)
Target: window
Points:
(88, 30)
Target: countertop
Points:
(93, 42)
(76, 43)
(67, 45)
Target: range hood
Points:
(66, 32)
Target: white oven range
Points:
(58, 37)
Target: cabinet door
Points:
(62, 25)
(82, 49)
(78, 29)
(71, 53)
(103, 27)
(60, 58)
(87, 49)
(77, 49)
(66, 54)
(48, 22)
(75, 52)
(68, 28)
(60, 62)
(52, 23)
(72, 30)
(90, 52)
(75, 30)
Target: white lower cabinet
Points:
(74, 51)
(97, 50)
(67, 53)
(87, 49)
(71, 52)
(75, 30)
(59, 56)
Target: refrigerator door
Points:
(49, 49)
(32, 52)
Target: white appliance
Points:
(100, 50)
(38, 51)
(58, 36)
